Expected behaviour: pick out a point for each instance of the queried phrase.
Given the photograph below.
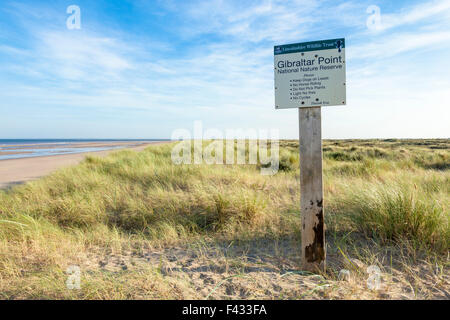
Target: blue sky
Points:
(142, 69)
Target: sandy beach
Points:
(17, 171)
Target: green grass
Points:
(390, 192)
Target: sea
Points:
(27, 148)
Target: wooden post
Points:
(311, 190)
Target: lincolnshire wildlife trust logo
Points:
(339, 45)
(208, 147)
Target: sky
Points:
(143, 69)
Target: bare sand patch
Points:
(269, 269)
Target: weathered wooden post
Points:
(309, 75)
(311, 190)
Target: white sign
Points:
(310, 74)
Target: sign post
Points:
(307, 76)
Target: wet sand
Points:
(17, 171)
(72, 145)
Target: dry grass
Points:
(142, 228)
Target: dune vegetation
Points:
(140, 227)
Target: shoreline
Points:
(18, 171)
(42, 149)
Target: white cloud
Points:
(76, 56)
(254, 21)
(395, 44)
(422, 11)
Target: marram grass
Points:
(387, 191)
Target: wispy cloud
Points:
(253, 21)
(418, 13)
(217, 63)
(80, 56)
(396, 44)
